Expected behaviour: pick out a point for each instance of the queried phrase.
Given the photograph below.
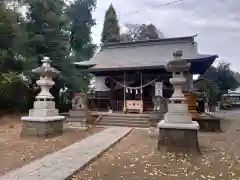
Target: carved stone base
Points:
(178, 140)
(79, 125)
(155, 117)
(78, 118)
(78, 113)
(42, 128)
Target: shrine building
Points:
(129, 75)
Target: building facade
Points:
(129, 75)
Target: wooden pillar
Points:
(191, 99)
(124, 94)
(141, 111)
(112, 96)
(191, 96)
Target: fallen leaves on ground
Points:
(16, 151)
(136, 157)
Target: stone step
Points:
(124, 121)
(125, 118)
(127, 115)
(122, 124)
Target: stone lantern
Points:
(43, 119)
(177, 130)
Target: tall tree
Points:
(223, 76)
(47, 31)
(136, 32)
(48, 36)
(111, 29)
(80, 14)
(11, 64)
(51, 28)
(82, 48)
(8, 34)
(149, 31)
(217, 81)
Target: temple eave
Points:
(198, 66)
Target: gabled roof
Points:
(144, 54)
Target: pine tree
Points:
(111, 30)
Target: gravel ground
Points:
(16, 152)
(136, 157)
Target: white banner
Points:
(158, 88)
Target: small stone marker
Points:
(79, 114)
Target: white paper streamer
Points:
(136, 91)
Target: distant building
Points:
(233, 96)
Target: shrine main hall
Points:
(130, 75)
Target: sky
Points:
(217, 22)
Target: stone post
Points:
(43, 119)
(160, 108)
(79, 114)
(177, 130)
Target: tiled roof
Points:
(143, 53)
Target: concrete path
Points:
(61, 164)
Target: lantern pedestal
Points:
(78, 118)
(178, 137)
(42, 126)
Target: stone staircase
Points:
(126, 120)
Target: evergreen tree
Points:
(11, 65)
(223, 76)
(46, 32)
(217, 81)
(48, 36)
(111, 30)
(80, 15)
(8, 33)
